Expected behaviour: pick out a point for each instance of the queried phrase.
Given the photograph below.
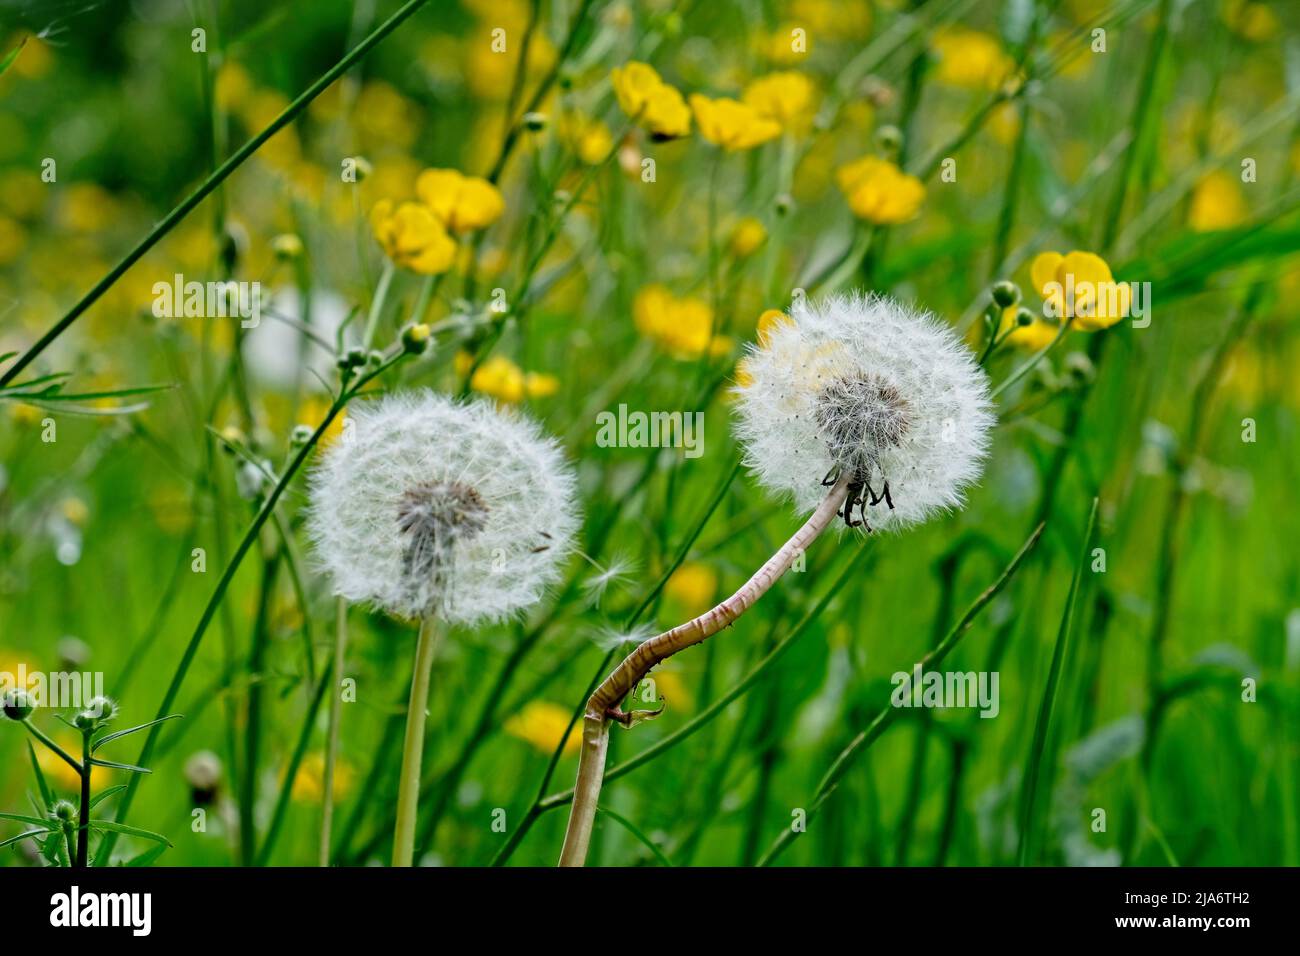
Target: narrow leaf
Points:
(130, 730)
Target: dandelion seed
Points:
(444, 511)
(864, 386)
(435, 506)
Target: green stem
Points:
(1033, 361)
(377, 304)
(83, 825)
(1029, 798)
(52, 745)
(219, 594)
(207, 186)
(332, 748)
(408, 793)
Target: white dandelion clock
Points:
(432, 506)
(449, 512)
(865, 387)
(858, 408)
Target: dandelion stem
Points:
(408, 793)
(332, 747)
(604, 705)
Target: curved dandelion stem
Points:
(408, 793)
(603, 705)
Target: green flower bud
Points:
(534, 122)
(1006, 293)
(415, 339)
(18, 705)
(64, 811)
(1024, 317)
(99, 711)
(889, 138)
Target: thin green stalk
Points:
(291, 771)
(219, 594)
(83, 824)
(332, 747)
(534, 811)
(417, 712)
(253, 712)
(1032, 362)
(888, 713)
(206, 187)
(1029, 796)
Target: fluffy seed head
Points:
(428, 505)
(865, 386)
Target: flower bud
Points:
(534, 122)
(889, 138)
(99, 711)
(17, 705)
(1024, 317)
(415, 338)
(286, 246)
(64, 811)
(1006, 293)
(300, 435)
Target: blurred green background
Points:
(1185, 430)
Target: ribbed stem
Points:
(408, 793)
(604, 703)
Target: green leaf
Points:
(633, 829)
(128, 830)
(7, 62)
(1038, 746)
(46, 798)
(23, 836)
(23, 818)
(130, 730)
(100, 797)
(148, 856)
(88, 396)
(113, 765)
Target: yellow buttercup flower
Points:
(1217, 203)
(970, 59)
(748, 235)
(693, 586)
(542, 724)
(731, 124)
(309, 784)
(880, 192)
(643, 95)
(1080, 286)
(1034, 336)
(461, 203)
(505, 381)
(412, 237)
(785, 98)
(768, 321)
(1254, 21)
(589, 138)
(683, 327)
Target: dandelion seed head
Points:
(429, 505)
(863, 385)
